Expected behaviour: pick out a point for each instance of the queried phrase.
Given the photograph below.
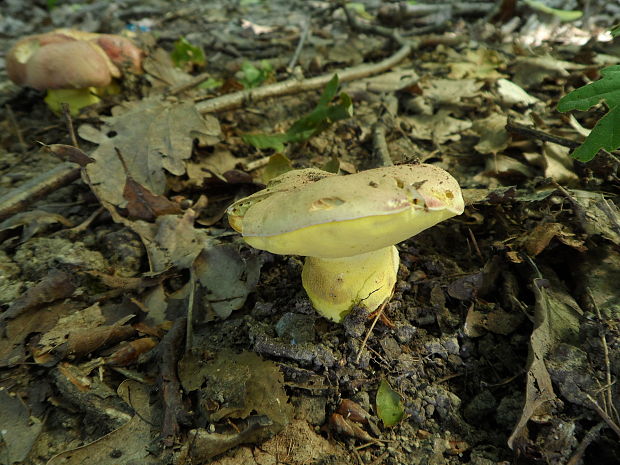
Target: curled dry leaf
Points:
(69, 153)
(142, 204)
(346, 427)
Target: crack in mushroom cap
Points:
(340, 216)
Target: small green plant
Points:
(389, 404)
(319, 119)
(186, 55)
(252, 76)
(605, 134)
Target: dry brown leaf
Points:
(227, 277)
(538, 239)
(556, 320)
(208, 166)
(33, 222)
(497, 321)
(511, 94)
(440, 127)
(481, 63)
(493, 135)
(154, 137)
(55, 286)
(161, 72)
(449, 91)
(69, 153)
(531, 71)
(126, 445)
(80, 334)
(142, 204)
(20, 429)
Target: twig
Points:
(610, 403)
(171, 346)
(189, 329)
(300, 45)
(294, 85)
(36, 188)
(426, 9)
(83, 226)
(15, 126)
(255, 164)
(526, 131)
(372, 326)
(66, 112)
(523, 130)
(381, 148)
(194, 82)
(475, 243)
(604, 415)
(590, 436)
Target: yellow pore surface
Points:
(334, 286)
(350, 237)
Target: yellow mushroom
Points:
(346, 226)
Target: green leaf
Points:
(389, 404)
(332, 166)
(253, 76)
(605, 135)
(278, 164)
(360, 9)
(607, 88)
(186, 55)
(564, 15)
(266, 141)
(211, 83)
(615, 31)
(319, 119)
(606, 132)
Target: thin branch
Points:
(16, 129)
(381, 148)
(66, 112)
(529, 132)
(604, 415)
(171, 347)
(300, 45)
(36, 188)
(194, 82)
(590, 437)
(295, 85)
(609, 400)
(372, 327)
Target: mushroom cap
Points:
(51, 67)
(70, 59)
(318, 214)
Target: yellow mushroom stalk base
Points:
(335, 285)
(78, 98)
(75, 98)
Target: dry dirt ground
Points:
(501, 343)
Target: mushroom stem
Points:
(335, 285)
(75, 98)
(78, 98)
